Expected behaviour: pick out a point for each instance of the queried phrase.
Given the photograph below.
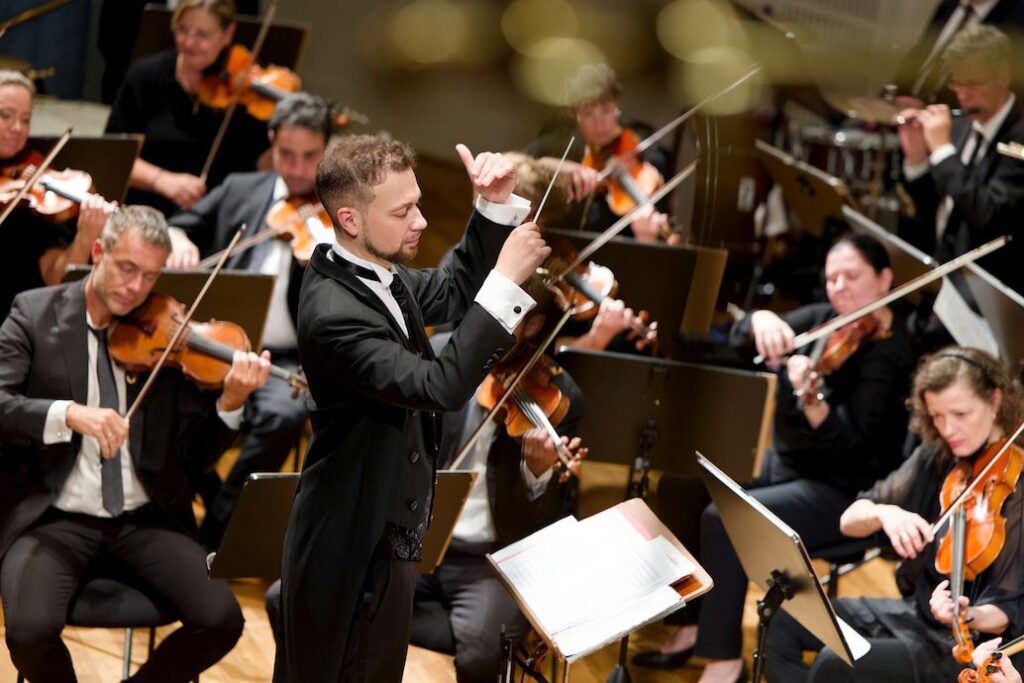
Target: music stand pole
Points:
(780, 589)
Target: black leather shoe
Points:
(662, 660)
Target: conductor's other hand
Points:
(493, 175)
(522, 252)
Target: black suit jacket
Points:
(372, 456)
(213, 221)
(988, 198)
(514, 514)
(1007, 15)
(44, 352)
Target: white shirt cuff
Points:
(56, 429)
(232, 418)
(941, 153)
(504, 300)
(535, 485)
(914, 171)
(513, 212)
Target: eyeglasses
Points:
(974, 84)
(598, 111)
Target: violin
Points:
(203, 353)
(286, 220)
(829, 357)
(258, 88)
(983, 674)
(55, 197)
(977, 529)
(631, 180)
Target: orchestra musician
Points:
(365, 493)
(84, 493)
(830, 444)
(36, 251)
(158, 98)
(595, 100)
(965, 193)
(299, 131)
(963, 401)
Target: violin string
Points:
(538, 418)
(554, 177)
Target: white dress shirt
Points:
(83, 490)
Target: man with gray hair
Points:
(966, 193)
(84, 491)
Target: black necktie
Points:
(979, 140)
(110, 469)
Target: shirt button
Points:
(414, 456)
(413, 506)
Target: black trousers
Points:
(888, 660)
(45, 566)
(274, 421)
(811, 508)
(460, 609)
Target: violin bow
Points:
(908, 287)
(40, 170)
(230, 111)
(184, 326)
(31, 14)
(649, 141)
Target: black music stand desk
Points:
(773, 556)
(107, 158)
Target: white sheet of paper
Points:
(859, 645)
(966, 326)
(591, 635)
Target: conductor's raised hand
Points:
(493, 175)
(523, 251)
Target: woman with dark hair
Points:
(159, 99)
(827, 445)
(963, 401)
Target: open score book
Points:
(584, 584)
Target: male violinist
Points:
(299, 131)
(364, 499)
(595, 100)
(82, 492)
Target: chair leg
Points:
(126, 669)
(152, 642)
(833, 581)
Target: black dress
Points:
(915, 487)
(179, 131)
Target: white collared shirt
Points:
(503, 299)
(83, 489)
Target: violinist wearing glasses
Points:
(839, 426)
(595, 100)
(38, 245)
(83, 490)
(160, 98)
(965, 404)
(279, 204)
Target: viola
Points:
(631, 180)
(56, 195)
(203, 353)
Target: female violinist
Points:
(159, 99)
(825, 448)
(35, 250)
(595, 98)
(964, 402)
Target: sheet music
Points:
(594, 634)
(859, 645)
(966, 326)
(573, 571)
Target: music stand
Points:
(773, 555)
(681, 298)
(674, 408)
(254, 537)
(236, 295)
(815, 196)
(451, 490)
(107, 158)
(284, 46)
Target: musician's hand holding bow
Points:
(907, 531)
(184, 189)
(107, 426)
(581, 180)
(248, 373)
(649, 225)
(773, 336)
(184, 252)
